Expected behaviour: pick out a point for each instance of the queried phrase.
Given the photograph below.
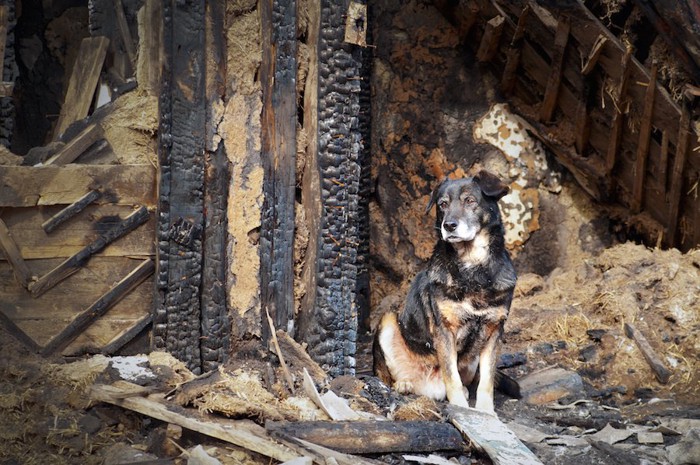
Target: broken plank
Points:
(662, 373)
(16, 332)
(373, 437)
(298, 359)
(489, 434)
(99, 308)
(82, 83)
(9, 246)
(74, 263)
(27, 186)
(70, 211)
(620, 110)
(640, 165)
(490, 39)
(674, 196)
(513, 53)
(551, 92)
(323, 455)
(77, 146)
(594, 55)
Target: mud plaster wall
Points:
(429, 96)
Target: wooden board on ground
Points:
(28, 186)
(489, 434)
(33, 243)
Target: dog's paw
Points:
(485, 405)
(403, 387)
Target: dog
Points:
(456, 307)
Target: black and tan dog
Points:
(456, 308)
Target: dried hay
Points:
(130, 127)
(419, 408)
(168, 367)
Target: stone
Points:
(549, 385)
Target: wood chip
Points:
(610, 435)
(650, 437)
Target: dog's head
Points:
(465, 206)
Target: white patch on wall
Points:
(528, 168)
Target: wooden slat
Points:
(150, 56)
(674, 197)
(124, 31)
(75, 262)
(594, 55)
(513, 53)
(77, 146)
(490, 39)
(99, 308)
(70, 211)
(620, 111)
(663, 172)
(551, 93)
(13, 255)
(82, 83)
(123, 338)
(26, 186)
(81, 230)
(643, 144)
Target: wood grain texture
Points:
(13, 255)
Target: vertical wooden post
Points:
(620, 110)
(513, 54)
(551, 93)
(490, 39)
(640, 165)
(674, 197)
(177, 317)
(279, 118)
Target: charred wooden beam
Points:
(373, 437)
(513, 53)
(662, 373)
(77, 146)
(278, 76)
(70, 211)
(8, 72)
(620, 103)
(11, 251)
(676, 189)
(181, 152)
(216, 324)
(82, 83)
(491, 38)
(640, 165)
(552, 90)
(331, 327)
(85, 318)
(74, 263)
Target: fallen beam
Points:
(373, 437)
(77, 146)
(70, 211)
(489, 434)
(9, 246)
(99, 308)
(662, 373)
(75, 262)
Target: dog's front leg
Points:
(446, 350)
(487, 368)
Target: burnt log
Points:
(181, 153)
(8, 70)
(331, 326)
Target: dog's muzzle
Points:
(458, 231)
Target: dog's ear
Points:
(434, 196)
(491, 185)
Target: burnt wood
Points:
(70, 211)
(552, 91)
(278, 77)
(99, 308)
(373, 437)
(216, 323)
(74, 263)
(513, 53)
(77, 146)
(676, 187)
(181, 153)
(9, 71)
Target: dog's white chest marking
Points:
(475, 253)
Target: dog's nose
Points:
(450, 225)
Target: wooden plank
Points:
(489, 434)
(513, 53)
(676, 188)
(551, 92)
(278, 78)
(490, 39)
(27, 186)
(16, 332)
(373, 437)
(82, 83)
(99, 308)
(150, 57)
(620, 103)
(663, 171)
(662, 373)
(70, 211)
(123, 338)
(21, 271)
(77, 146)
(243, 433)
(640, 166)
(124, 31)
(594, 55)
(75, 262)
(85, 227)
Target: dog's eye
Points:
(470, 200)
(442, 204)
